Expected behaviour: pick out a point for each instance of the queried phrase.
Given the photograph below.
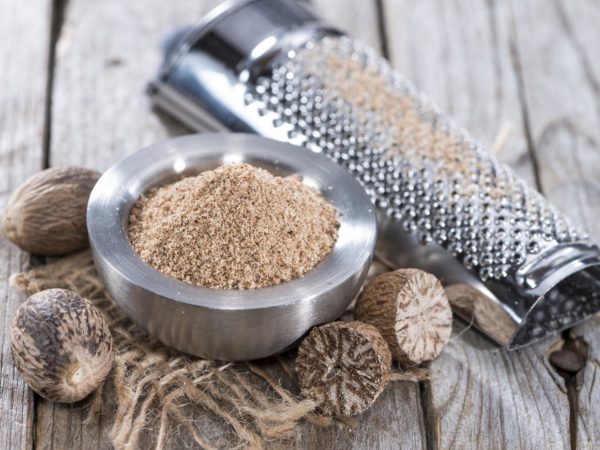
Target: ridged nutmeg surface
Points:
(46, 215)
(343, 367)
(61, 345)
(411, 310)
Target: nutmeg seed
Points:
(343, 367)
(61, 345)
(411, 310)
(46, 215)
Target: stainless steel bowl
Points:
(228, 324)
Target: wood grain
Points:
(106, 54)
(24, 49)
(485, 397)
(558, 46)
(480, 396)
(588, 389)
(394, 421)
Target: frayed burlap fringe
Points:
(156, 386)
(158, 390)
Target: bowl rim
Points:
(118, 189)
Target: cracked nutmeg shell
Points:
(343, 367)
(61, 345)
(46, 215)
(411, 310)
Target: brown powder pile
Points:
(236, 227)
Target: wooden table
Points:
(525, 72)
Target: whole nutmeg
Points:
(61, 345)
(46, 215)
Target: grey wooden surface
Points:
(71, 92)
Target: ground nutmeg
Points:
(235, 227)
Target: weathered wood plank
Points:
(588, 391)
(459, 53)
(485, 397)
(106, 54)
(394, 421)
(24, 48)
(558, 42)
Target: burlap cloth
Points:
(159, 390)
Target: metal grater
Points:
(511, 263)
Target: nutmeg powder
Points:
(236, 227)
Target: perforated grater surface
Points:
(511, 263)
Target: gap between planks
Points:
(56, 23)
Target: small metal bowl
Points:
(228, 324)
